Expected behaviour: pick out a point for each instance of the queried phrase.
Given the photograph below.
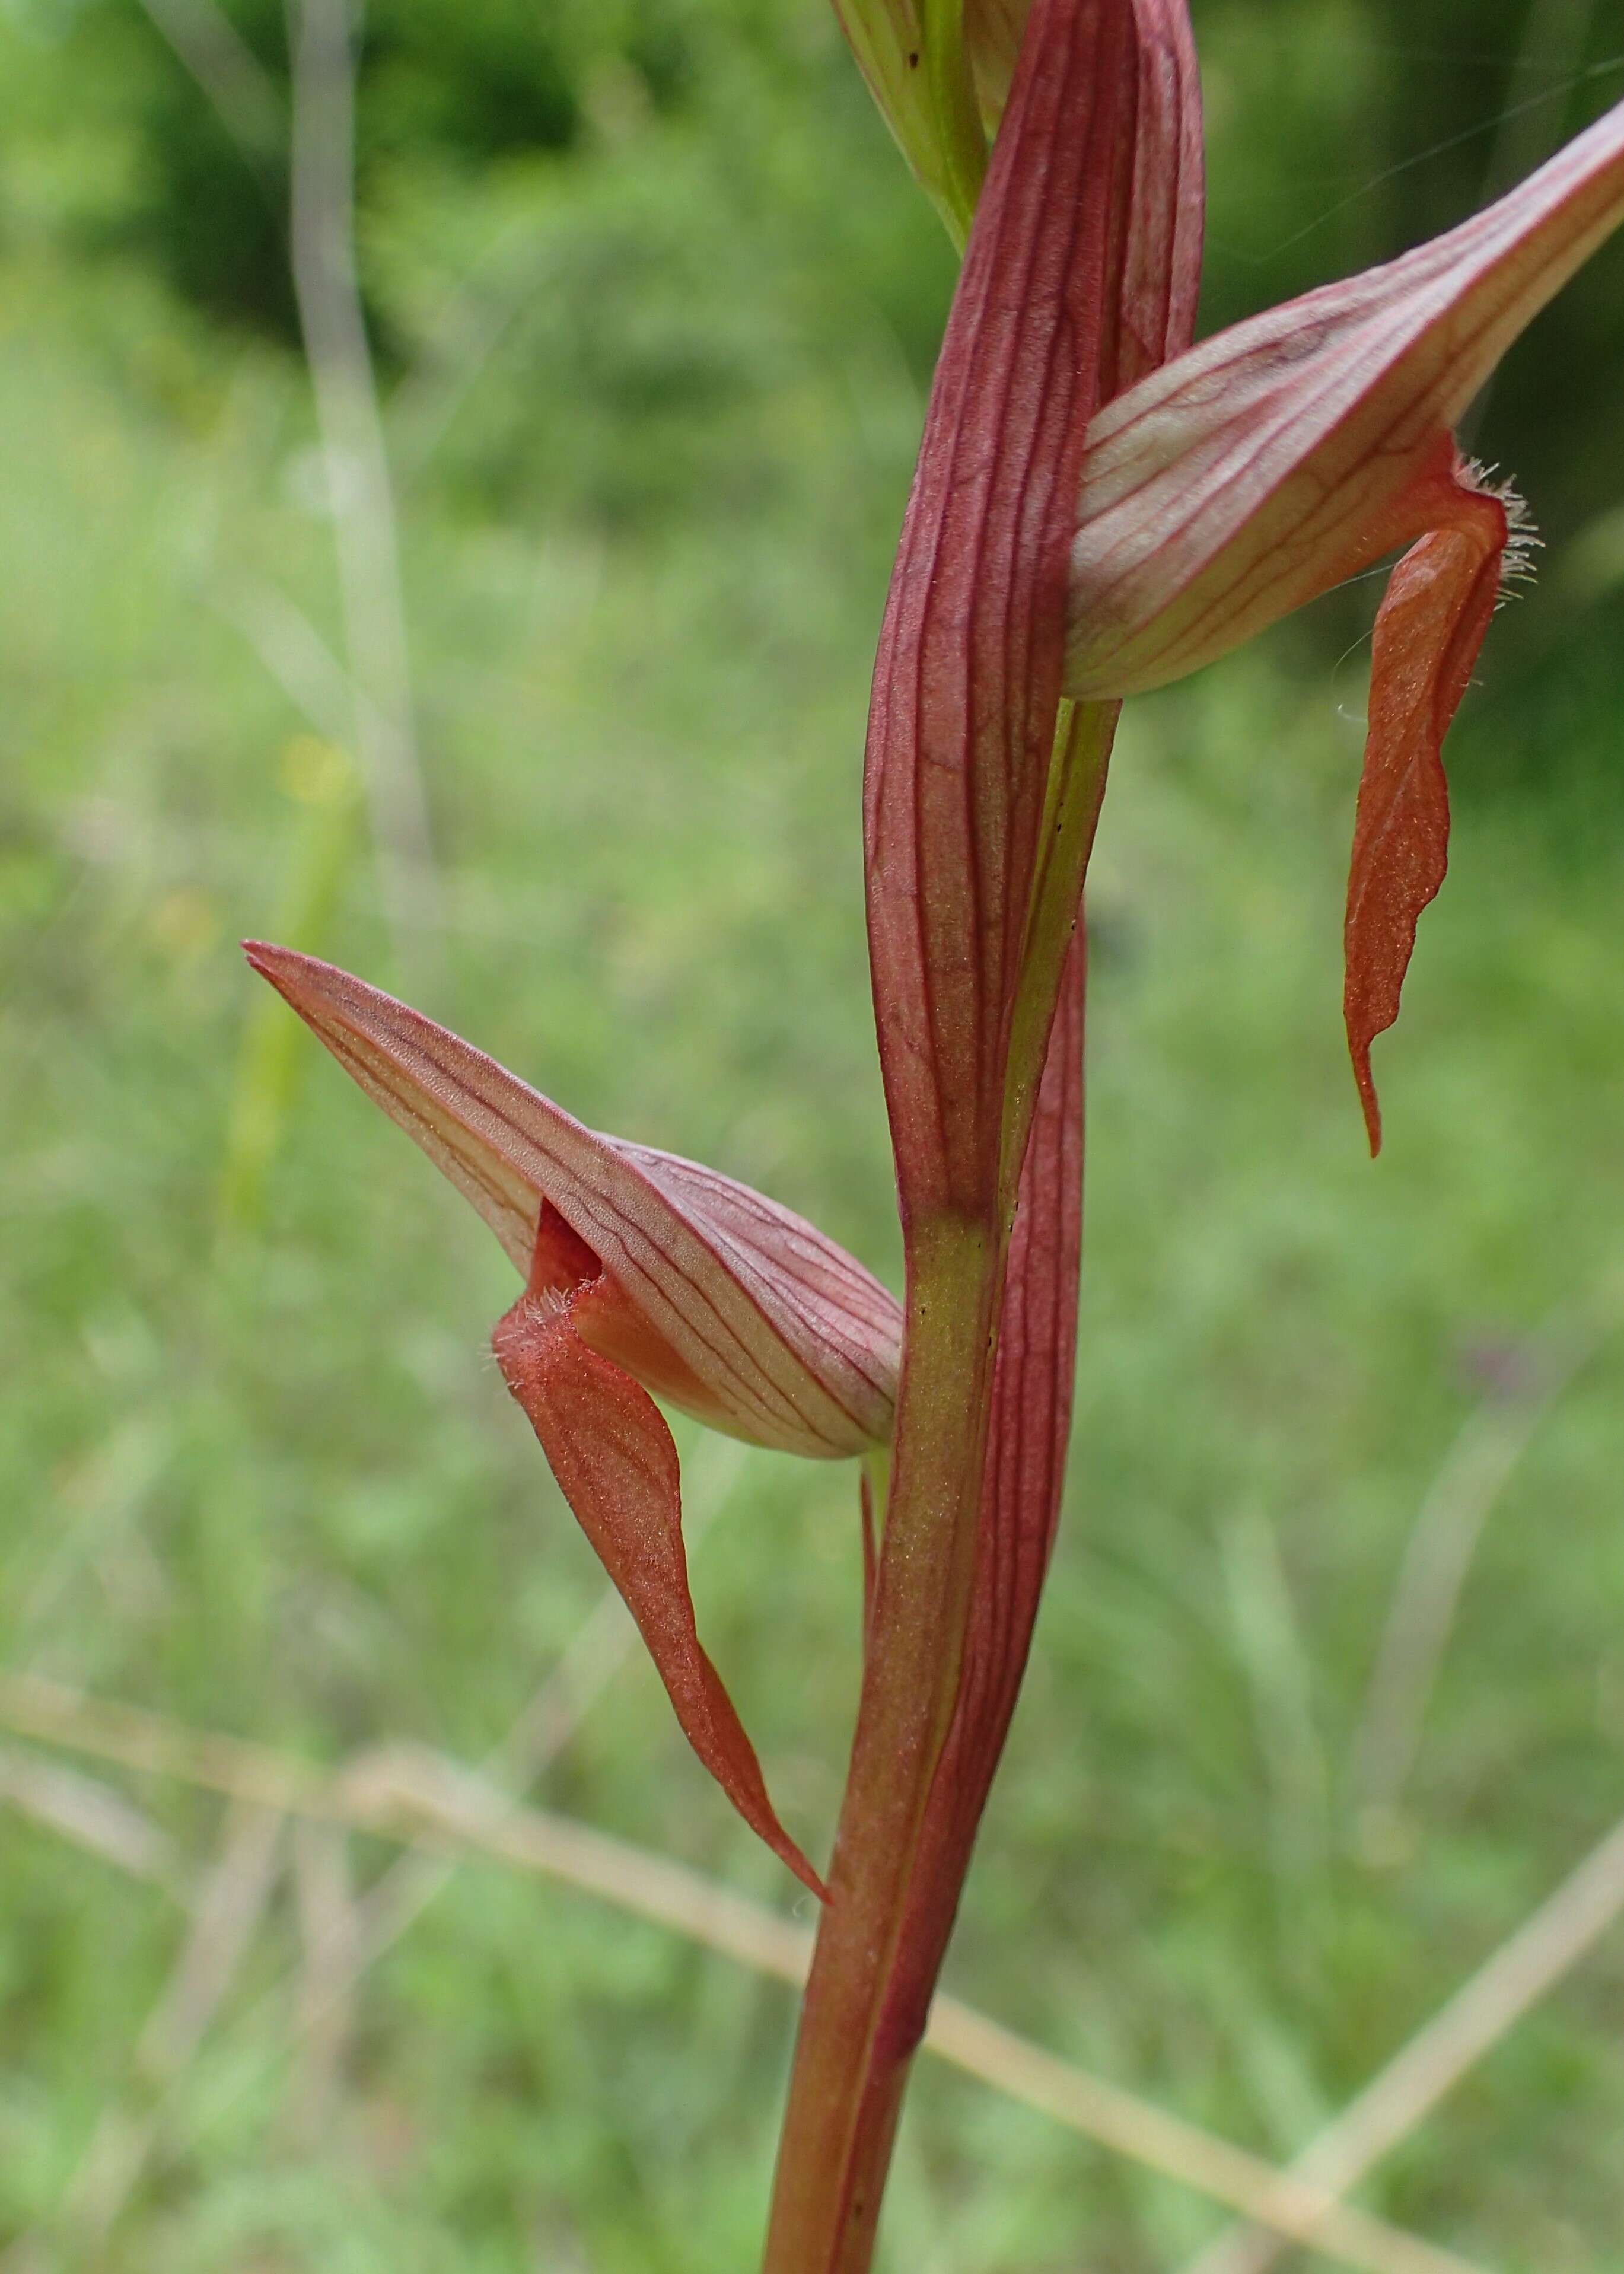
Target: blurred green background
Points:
(652, 309)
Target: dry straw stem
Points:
(599, 1649)
(341, 1939)
(330, 1963)
(226, 1912)
(356, 1934)
(424, 1800)
(229, 1905)
(342, 1935)
(1530, 1962)
(91, 1815)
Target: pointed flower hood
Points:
(734, 1309)
(644, 1273)
(1290, 451)
(1285, 452)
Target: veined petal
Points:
(1289, 451)
(968, 682)
(612, 1454)
(821, 1302)
(789, 1340)
(1428, 631)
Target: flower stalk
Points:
(980, 803)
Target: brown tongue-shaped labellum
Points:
(608, 1445)
(1428, 631)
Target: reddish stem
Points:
(848, 2080)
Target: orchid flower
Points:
(1290, 452)
(642, 1273)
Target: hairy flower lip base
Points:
(1280, 456)
(644, 1272)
